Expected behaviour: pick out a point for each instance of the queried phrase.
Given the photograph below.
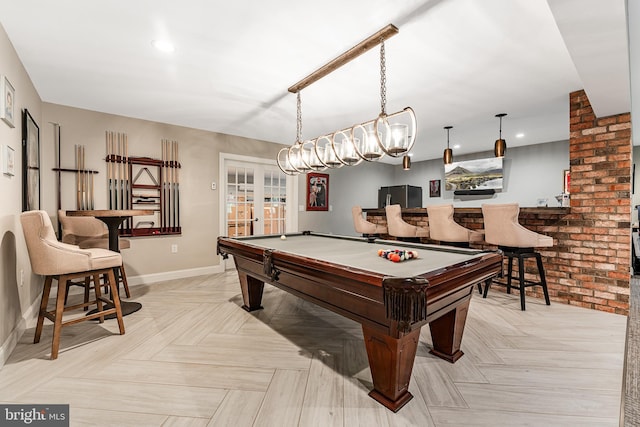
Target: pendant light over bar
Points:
(388, 134)
(500, 147)
(447, 157)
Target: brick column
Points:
(598, 232)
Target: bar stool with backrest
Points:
(89, 232)
(400, 229)
(501, 228)
(63, 262)
(364, 227)
(444, 229)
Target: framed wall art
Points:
(8, 160)
(8, 102)
(434, 188)
(30, 163)
(317, 192)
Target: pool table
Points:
(392, 301)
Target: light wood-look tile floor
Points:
(193, 357)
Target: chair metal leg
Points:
(522, 282)
(509, 272)
(487, 284)
(543, 280)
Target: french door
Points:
(257, 197)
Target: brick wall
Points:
(589, 264)
(598, 233)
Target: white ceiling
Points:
(455, 62)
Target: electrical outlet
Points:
(174, 249)
(21, 277)
(213, 186)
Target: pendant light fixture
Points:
(447, 157)
(388, 134)
(500, 147)
(406, 163)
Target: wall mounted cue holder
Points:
(144, 183)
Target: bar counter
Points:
(556, 222)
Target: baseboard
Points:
(146, 279)
(28, 320)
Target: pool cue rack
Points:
(145, 183)
(85, 199)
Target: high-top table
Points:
(113, 218)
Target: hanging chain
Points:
(299, 119)
(383, 80)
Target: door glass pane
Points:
(239, 207)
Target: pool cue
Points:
(108, 159)
(78, 204)
(164, 186)
(127, 203)
(173, 185)
(56, 146)
(177, 188)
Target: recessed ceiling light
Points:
(163, 46)
(519, 135)
(456, 146)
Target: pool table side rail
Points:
(354, 293)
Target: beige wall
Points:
(148, 257)
(15, 298)
(199, 206)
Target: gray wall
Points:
(530, 173)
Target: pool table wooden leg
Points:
(446, 332)
(391, 362)
(251, 291)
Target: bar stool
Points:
(364, 227)
(401, 230)
(88, 232)
(501, 228)
(63, 262)
(443, 228)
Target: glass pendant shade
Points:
(310, 156)
(284, 163)
(347, 153)
(326, 153)
(396, 132)
(296, 158)
(366, 142)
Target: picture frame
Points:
(8, 103)
(30, 163)
(566, 182)
(8, 161)
(317, 192)
(434, 188)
